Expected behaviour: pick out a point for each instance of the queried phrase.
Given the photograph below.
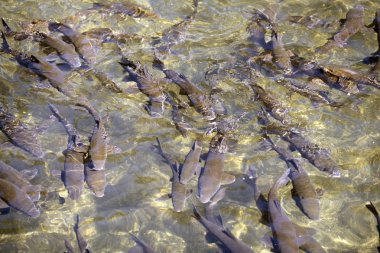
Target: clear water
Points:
(136, 198)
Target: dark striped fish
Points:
(18, 199)
(191, 164)
(141, 246)
(223, 235)
(81, 42)
(212, 176)
(19, 134)
(98, 147)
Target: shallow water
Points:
(135, 200)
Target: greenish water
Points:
(135, 200)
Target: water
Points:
(136, 198)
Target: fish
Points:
(17, 178)
(282, 227)
(124, 8)
(179, 192)
(317, 96)
(73, 173)
(81, 42)
(149, 86)
(224, 235)
(371, 207)
(257, 28)
(99, 139)
(18, 199)
(212, 176)
(175, 34)
(95, 179)
(303, 189)
(270, 103)
(352, 24)
(191, 164)
(82, 244)
(65, 51)
(141, 246)
(280, 55)
(177, 117)
(56, 77)
(317, 156)
(20, 134)
(201, 102)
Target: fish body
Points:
(147, 85)
(81, 42)
(191, 163)
(270, 103)
(212, 176)
(96, 180)
(353, 23)
(98, 146)
(199, 100)
(317, 156)
(15, 177)
(20, 134)
(73, 174)
(257, 29)
(141, 246)
(66, 51)
(282, 227)
(82, 244)
(127, 9)
(17, 199)
(179, 191)
(303, 188)
(280, 55)
(223, 235)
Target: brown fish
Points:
(19, 134)
(151, 87)
(270, 103)
(201, 102)
(223, 235)
(353, 23)
(66, 51)
(212, 176)
(141, 246)
(82, 44)
(280, 55)
(303, 189)
(124, 8)
(316, 155)
(17, 178)
(17, 199)
(98, 147)
(282, 227)
(73, 173)
(96, 180)
(191, 164)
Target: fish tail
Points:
(86, 104)
(196, 214)
(372, 209)
(283, 180)
(5, 45)
(7, 28)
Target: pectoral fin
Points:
(227, 179)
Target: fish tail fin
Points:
(5, 45)
(283, 180)
(372, 209)
(196, 214)
(7, 28)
